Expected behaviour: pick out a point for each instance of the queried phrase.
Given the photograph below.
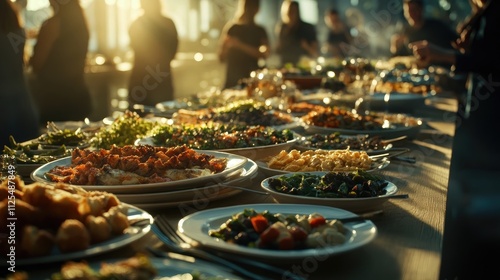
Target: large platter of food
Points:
(320, 160)
(244, 112)
(277, 232)
(140, 169)
(387, 126)
(188, 197)
(63, 222)
(253, 142)
(354, 191)
(338, 141)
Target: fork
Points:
(170, 237)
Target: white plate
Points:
(410, 131)
(234, 164)
(357, 205)
(197, 225)
(132, 234)
(169, 267)
(376, 165)
(398, 102)
(211, 192)
(253, 153)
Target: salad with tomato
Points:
(278, 231)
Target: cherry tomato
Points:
(259, 223)
(317, 221)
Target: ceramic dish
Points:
(174, 267)
(358, 205)
(406, 126)
(196, 228)
(234, 165)
(376, 165)
(211, 192)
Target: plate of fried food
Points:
(63, 222)
(385, 125)
(253, 142)
(141, 169)
(321, 160)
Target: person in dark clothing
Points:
(338, 39)
(243, 43)
(58, 63)
(472, 225)
(18, 115)
(154, 40)
(296, 38)
(420, 28)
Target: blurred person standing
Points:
(420, 28)
(339, 40)
(58, 64)
(154, 40)
(243, 43)
(355, 21)
(296, 38)
(18, 115)
(472, 225)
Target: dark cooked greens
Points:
(248, 113)
(336, 141)
(68, 137)
(219, 136)
(331, 185)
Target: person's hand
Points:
(423, 51)
(428, 53)
(397, 42)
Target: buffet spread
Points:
(88, 189)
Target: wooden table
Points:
(410, 232)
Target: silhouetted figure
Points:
(18, 115)
(243, 43)
(339, 39)
(154, 40)
(420, 28)
(58, 63)
(296, 38)
(472, 225)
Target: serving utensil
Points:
(176, 243)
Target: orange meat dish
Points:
(135, 165)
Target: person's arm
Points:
(260, 52)
(224, 44)
(310, 47)
(46, 38)
(310, 40)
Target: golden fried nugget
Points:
(72, 236)
(99, 228)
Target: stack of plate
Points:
(191, 191)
